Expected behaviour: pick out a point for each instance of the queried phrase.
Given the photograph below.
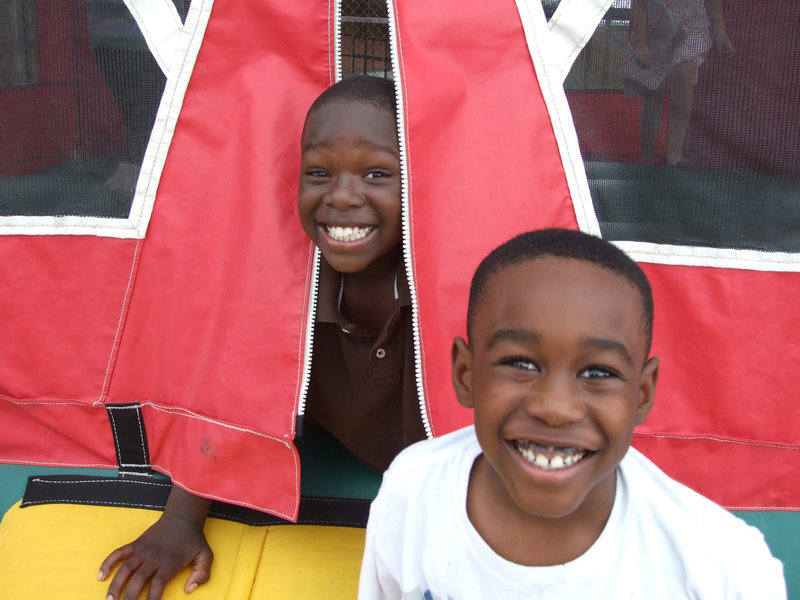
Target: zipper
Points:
(308, 345)
(406, 217)
(313, 293)
(406, 223)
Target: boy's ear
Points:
(461, 361)
(647, 389)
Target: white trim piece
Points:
(537, 35)
(571, 26)
(99, 226)
(161, 27)
(167, 117)
(721, 258)
(135, 226)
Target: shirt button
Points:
(380, 353)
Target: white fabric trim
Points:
(161, 27)
(156, 155)
(102, 227)
(723, 258)
(538, 36)
(571, 26)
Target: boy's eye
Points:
(597, 373)
(317, 173)
(376, 174)
(523, 364)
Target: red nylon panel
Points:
(736, 475)
(728, 347)
(61, 299)
(230, 457)
(217, 315)
(55, 433)
(727, 343)
(483, 161)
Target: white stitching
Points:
(142, 440)
(93, 481)
(120, 323)
(95, 502)
(717, 439)
(116, 440)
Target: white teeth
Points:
(549, 458)
(348, 234)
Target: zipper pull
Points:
(298, 427)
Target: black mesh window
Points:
(79, 91)
(688, 117)
(365, 39)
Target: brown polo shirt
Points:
(363, 387)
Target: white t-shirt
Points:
(662, 540)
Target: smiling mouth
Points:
(348, 234)
(549, 458)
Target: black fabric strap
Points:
(152, 493)
(130, 439)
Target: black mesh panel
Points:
(729, 177)
(79, 91)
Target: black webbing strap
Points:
(130, 439)
(152, 494)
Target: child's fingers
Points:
(117, 556)
(126, 579)
(157, 586)
(134, 586)
(201, 571)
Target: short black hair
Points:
(360, 88)
(560, 243)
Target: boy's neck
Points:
(369, 296)
(528, 539)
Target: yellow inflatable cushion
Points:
(55, 551)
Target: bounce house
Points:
(158, 293)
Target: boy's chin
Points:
(347, 266)
(350, 264)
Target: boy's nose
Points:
(344, 192)
(555, 401)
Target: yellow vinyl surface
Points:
(55, 551)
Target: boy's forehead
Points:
(357, 108)
(352, 116)
(572, 284)
(551, 268)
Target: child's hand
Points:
(173, 542)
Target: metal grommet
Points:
(380, 353)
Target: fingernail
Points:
(109, 597)
(191, 588)
(100, 576)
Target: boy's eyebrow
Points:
(512, 335)
(611, 345)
